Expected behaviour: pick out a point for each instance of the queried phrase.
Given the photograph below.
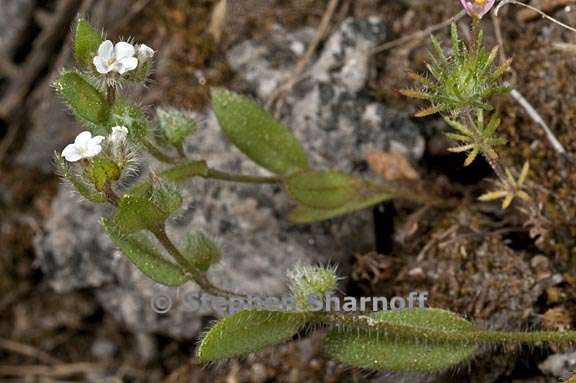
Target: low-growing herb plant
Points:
(118, 132)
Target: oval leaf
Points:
(323, 189)
(257, 133)
(86, 43)
(143, 254)
(186, 170)
(129, 115)
(248, 331)
(201, 251)
(138, 213)
(84, 99)
(383, 351)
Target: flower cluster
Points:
(121, 57)
(85, 146)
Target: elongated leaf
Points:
(185, 171)
(86, 43)
(144, 255)
(323, 189)
(304, 214)
(385, 351)
(257, 134)
(248, 331)
(82, 97)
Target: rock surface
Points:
(337, 122)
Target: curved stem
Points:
(158, 154)
(199, 277)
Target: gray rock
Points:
(559, 365)
(337, 122)
(14, 17)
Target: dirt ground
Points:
(49, 337)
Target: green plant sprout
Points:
(118, 131)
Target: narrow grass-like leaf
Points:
(144, 255)
(257, 133)
(391, 352)
(248, 331)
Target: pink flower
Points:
(477, 8)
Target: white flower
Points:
(84, 146)
(145, 52)
(115, 58)
(119, 134)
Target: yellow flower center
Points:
(480, 2)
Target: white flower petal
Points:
(106, 49)
(127, 64)
(124, 50)
(96, 140)
(101, 65)
(145, 52)
(71, 153)
(92, 150)
(83, 138)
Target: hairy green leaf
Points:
(183, 172)
(201, 251)
(257, 133)
(85, 189)
(82, 97)
(86, 43)
(138, 213)
(323, 189)
(144, 255)
(393, 352)
(174, 126)
(304, 214)
(131, 116)
(248, 331)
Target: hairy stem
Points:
(199, 277)
(367, 323)
(158, 154)
(110, 95)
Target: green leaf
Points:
(103, 171)
(144, 255)
(167, 197)
(248, 331)
(85, 189)
(391, 352)
(323, 189)
(183, 172)
(129, 115)
(84, 99)
(201, 251)
(304, 214)
(86, 43)
(257, 134)
(138, 213)
(174, 126)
